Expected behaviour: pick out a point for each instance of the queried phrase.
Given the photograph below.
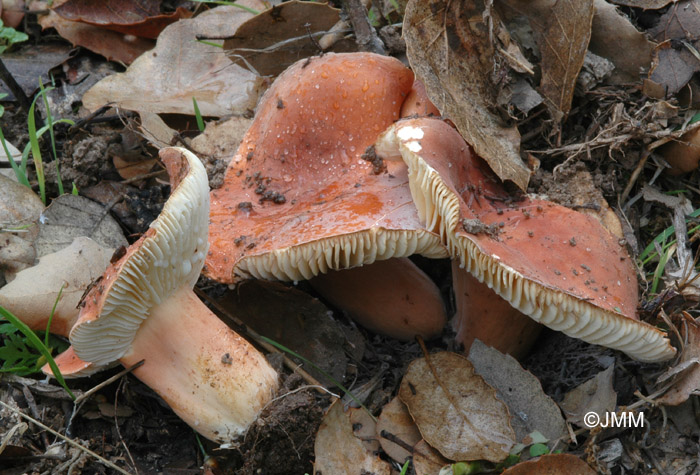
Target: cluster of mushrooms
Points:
(345, 167)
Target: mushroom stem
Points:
(393, 297)
(482, 314)
(210, 376)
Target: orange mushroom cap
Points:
(297, 198)
(558, 266)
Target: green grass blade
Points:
(36, 151)
(649, 252)
(660, 270)
(49, 123)
(31, 336)
(53, 311)
(198, 115)
(21, 176)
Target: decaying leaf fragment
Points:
(451, 49)
(615, 38)
(394, 423)
(339, 452)
(686, 372)
(427, 460)
(455, 410)
(595, 395)
(180, 68)
(19, 209)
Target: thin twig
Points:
(17, 91)
(365, 35)
(107, 382)
(63, 437)
(35, 412)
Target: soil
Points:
(129, 425)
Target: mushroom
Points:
(144, 308)
(683, 155)
(299, 200)
(558, 266)
(393, 297)
(481, 314)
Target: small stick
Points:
(365, 34)
(63, 437)
(106, 382)
(16, 89)
(35, 412)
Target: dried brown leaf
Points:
(427, 460)
(339, 452)
(132, 17)
(455, 410)
(71, 216)
(563, 36)
(552, 464)
(681, 21)
(595, 395)
(180, 68)
(450, 48)
(20, 208)
(112, 45)
(279, 37)
(673, 66)
(615, 38)
(643, 4)
(530, 408)
(32, 294)
(686, 372)
(395, 422)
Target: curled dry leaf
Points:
(20, 207)
(427, 460)
(179, 68)
(455, 410)
(552, 464)
(131, 17)
(270, 42)
(530, 408)
(686, 372)
(71, 216)
(450, 48)
(112, 45)
(339, 452)
(395, 424)
(34, 291)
